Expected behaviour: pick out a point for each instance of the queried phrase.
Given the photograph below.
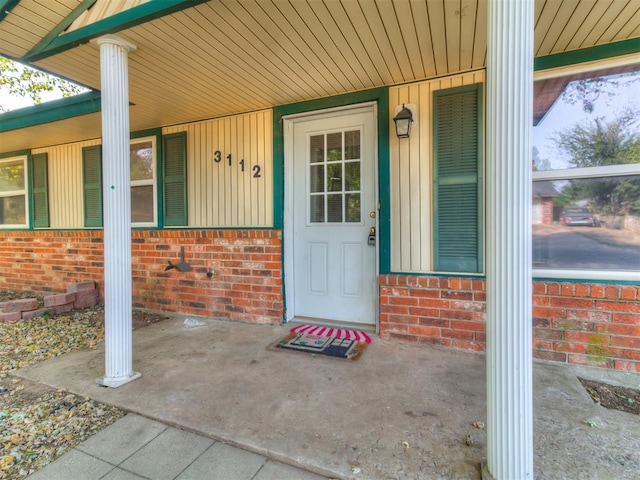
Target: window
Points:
(13, 192)
(142, 154)
(143, 181)
(334, 177)
(586, 162)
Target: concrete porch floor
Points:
(399, 412)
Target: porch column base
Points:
(115, 382)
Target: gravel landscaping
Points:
(38, 424)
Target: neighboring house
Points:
(542, 206)
(263, 142)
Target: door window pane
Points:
(352, 145)
(334, 177)
(316, 208)
(352, 176)
(334, 147)
(316, 149)
(353, 207)
(316, 183)
(334, 205)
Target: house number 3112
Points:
(217, 157)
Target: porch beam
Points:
(509, 289)
(117, 211)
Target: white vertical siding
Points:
(223, 195)
(411, 174)
(65, 183)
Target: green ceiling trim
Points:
(48, 112)
(113, 24)
(61, 27)
(17, 153)
(590, 54)
(6, 6)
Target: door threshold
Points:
(324, 322)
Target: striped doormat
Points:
(335, 342)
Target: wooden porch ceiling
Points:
(228, 56)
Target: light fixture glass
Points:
(403, 121)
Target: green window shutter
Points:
(174, 151)
(40, 191)
(92, 185)
(458, 179)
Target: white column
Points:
(117, 211)
(509, 290)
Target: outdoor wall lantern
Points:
(403, 121)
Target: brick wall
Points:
(583, 323)
(249, 287)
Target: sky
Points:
(563, 115)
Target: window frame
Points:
(14, 193)
(577, 173)
(153, 182)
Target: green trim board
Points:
(132, 17)
(6, 6)
(53, 111)
(379, 95)
(16, 153)
(590, 54)
(63, 25)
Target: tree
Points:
(22, 81)
(596, 143)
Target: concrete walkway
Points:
(400, 412)
(136, 447)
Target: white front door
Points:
(333, 169)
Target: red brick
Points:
(548, 355)
(625, 342)
(21, 305)
(582, 290)
(626, 366)
(62, 308)
(81, 287)
(424, 331)
(86, 299)
(571, 303)
(612, 293)
(626, 318)
(461, 334)
(35, 313)
(539, 288)
(629, 293)
(464, 345)
(596, 291)
(10, 317)
(540, 300)
(59, 299)
(627, 307)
